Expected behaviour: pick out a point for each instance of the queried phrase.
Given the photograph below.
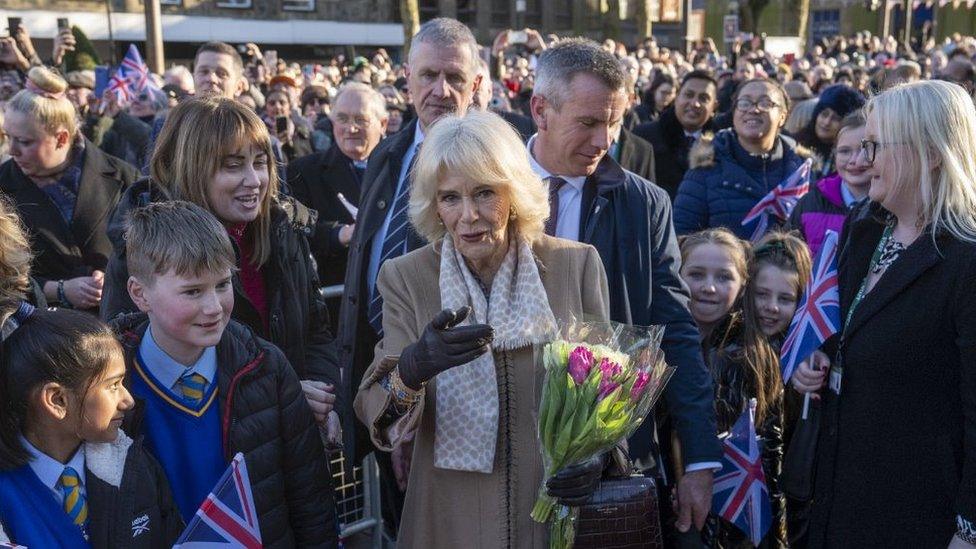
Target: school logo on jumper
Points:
(140, 525)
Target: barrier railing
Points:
(357, 491)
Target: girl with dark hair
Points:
(69, 477)
(743, 356)
(820, 134)
(657, 97)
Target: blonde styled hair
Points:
(176, 236)
(938, 120)
(15, 259)
(44, 101)
(482, 147)
(197, 135)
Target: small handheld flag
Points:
(739, 494)
(135, 71)
(119, 86)
(780, 201)
(817, 316)
(227, 516)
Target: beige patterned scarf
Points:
(467, 396)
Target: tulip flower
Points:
(580, 364)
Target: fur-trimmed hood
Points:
(710, 145)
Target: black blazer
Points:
(524, 125)
(316, 181)
(356, 337)
(63, 251)
(896, 459)
(635, 155)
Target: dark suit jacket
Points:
(316, 181)
(667, 138)
(629, 223)
(634, 154)
(524, 125)
(63, 251)
(356, 337)
(896, 458)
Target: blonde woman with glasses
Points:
(896, 460)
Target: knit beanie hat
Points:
(840, 98)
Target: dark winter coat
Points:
(725, 182)
(264, 415)
(896, 458)
(820, 210)
(128, 138)
(297, 317)
(732, 391)
(63, 251)
(120, 510)
(628, 221)
(316, 181)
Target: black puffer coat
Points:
(297, 317)
(732, 391)
(264, 415)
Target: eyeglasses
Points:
(764, 105)
(870, 148)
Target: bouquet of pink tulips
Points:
(601, 381)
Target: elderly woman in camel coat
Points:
(455, 368)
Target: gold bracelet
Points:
(403, 394)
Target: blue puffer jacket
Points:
(725, 182)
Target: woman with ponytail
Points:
(69, 476)
(64, 189)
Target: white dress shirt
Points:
(570, 199)
(49, 470)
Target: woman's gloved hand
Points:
(575, 484)
(442, 346)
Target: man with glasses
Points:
(330, 182)
(679, 127)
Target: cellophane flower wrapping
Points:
(601, 381)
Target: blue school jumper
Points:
(185, 440)
(31, 516)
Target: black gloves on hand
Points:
(575, 484)
(442, 346)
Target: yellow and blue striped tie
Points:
(74, 500)
(192, 387)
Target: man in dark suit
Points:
(482, 101)
(442, 76)
(633, 154)
(677, 129)
(578, 104)
(330, 181)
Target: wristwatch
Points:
(62, 297)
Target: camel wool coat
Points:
(445, 508)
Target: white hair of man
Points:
(559, 64)
(374, 99)
(447, 33)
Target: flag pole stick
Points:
(806, 406)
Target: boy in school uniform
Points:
(207, 387)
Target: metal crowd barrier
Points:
(357, 492)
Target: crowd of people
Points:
(162, 258)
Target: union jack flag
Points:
(118, 85)
(227, 517)
(817, 316)
(739, 494)
(780, 201)
(135, 71)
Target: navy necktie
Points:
(394, 245)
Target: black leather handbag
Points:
(622, 514)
